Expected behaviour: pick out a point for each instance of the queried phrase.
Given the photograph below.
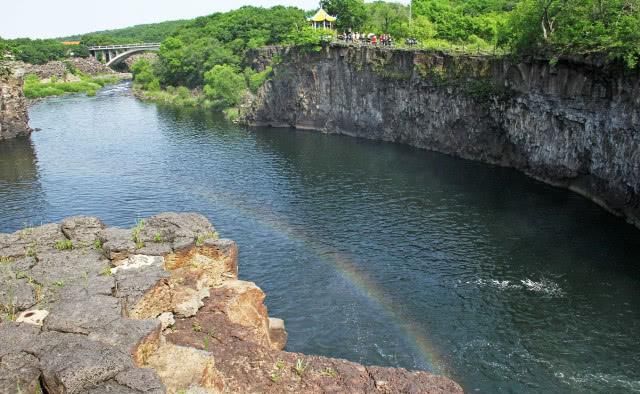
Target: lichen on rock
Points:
(112, 319)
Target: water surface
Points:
(374, 252)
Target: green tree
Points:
(351, 14)
(385, 17)
(558, 27)
(224, 86)
(144, 76)
(309, 38)
(223, 38)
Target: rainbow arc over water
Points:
(341, 262)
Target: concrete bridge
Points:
(115, 54)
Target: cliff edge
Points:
(14, 119)
(570, 123)
(157, 308)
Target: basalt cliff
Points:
(571, 123)
(14, 119)
(157, 308)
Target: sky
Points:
(59, 18)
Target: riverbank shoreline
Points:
(156, 308)
(38, 90)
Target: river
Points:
(374, 252)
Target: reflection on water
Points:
(20, 190)
(17, 161)
(374, 252)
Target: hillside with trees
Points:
(152, 32)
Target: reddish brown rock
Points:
(177, 319)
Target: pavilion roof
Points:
(322, 16)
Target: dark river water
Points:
(374, 252)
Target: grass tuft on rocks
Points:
(64, 245)
(135, 234)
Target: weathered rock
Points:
(277, 333)
(31, 242)
(169, 322)
(187, 301)
(17, 337)
(243, 303)
(62, 69)
(82, 230)
(14, 119)
(19, 373)
(571, 124)
(145, 291)
(167, 227)
(17, 294)
(166, 320)
(117, 243)
(83, 316)
(71, 363)
(140, 338)
(181, 368)
(143, 380)
(155, 249)
(132, 381)
(137, 262)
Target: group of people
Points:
(371, 38)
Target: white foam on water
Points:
(499, 284)
(543, 286)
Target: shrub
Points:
(224, 86)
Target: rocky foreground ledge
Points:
(153, 309)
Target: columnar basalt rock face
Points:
(571, 124)
(82, 310)
(14, 120)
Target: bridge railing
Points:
(129, 46)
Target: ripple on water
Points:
(372, 252)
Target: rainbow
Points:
(349, 271)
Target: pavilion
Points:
(322, 20)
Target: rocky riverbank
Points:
(14, 119)
(570, 123)
(156, 308)
(62, 68)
